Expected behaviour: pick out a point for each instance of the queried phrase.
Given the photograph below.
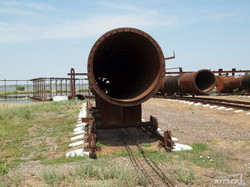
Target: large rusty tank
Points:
(125, 68)
(199, 82)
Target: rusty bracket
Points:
(167, 141)
(87, 120)
(153, 123)
(92, 126)
(92, 145)
(91, 132)
(171, 57)
(164, 141)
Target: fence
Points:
(40, 88)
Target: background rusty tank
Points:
(240, 82)
(245, 82)
(199, 82)
(170, 84)
(125, 68)
(228, 84)
(222, 84)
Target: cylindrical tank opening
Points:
(205, 81)
(125, 65)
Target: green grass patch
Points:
(122, 153)
(63, 146)
(100, 170)
(15, 163)
(146, 144)
(8, 113)
(101, 144)
(200, 147)
(62, 159)
(3, 168)
(103, 170)
(30, 130)
(203, 156)
(52, 177)
(159, 156)
(185, 176)
(3, 184)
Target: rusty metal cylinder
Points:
(170, 84)
(125, 67)
(222, 84)
(245, 82)
(228, 84)
(240, 82)
(199, 82)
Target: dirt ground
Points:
(225, 131)
(192, 123)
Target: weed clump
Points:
(51, 177)
(186, 177)
(3, 168)
(8, 113)
(99, 170)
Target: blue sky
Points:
(46, 38)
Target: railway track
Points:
(243, 105)
(144, 164)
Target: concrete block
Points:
(77, 137)
(80, 132)
(181, 147)
(77, 152)
(76, 143)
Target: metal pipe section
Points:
(240, 82)
(245, 82)
(222, 84)
(125, 67)
(199, 82)
(228, 84)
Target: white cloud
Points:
(100, 24)
(39, 6)
(219, 16)
(15, 33)
(117, 6)
(14, 11)
(3, 23)
(91, 27)
(94, 25)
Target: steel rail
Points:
(154, 166)
(149, 163)
(230, 71)
(223, 102)
(134, 160)
(226, 100)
